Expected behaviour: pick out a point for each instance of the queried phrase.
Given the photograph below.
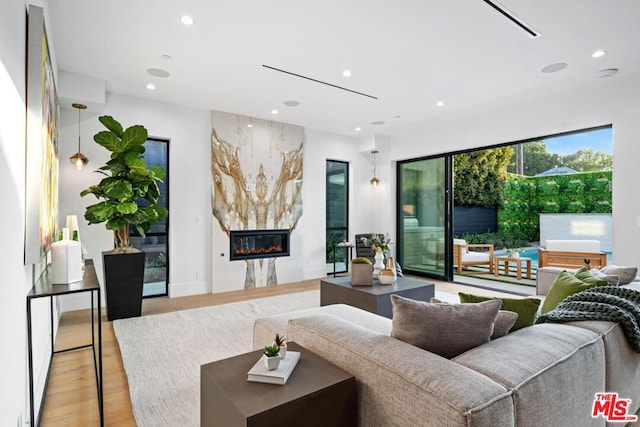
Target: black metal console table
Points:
(45, 288)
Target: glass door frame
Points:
(447, 223)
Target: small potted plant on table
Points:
(361, 271)
(281, 342)
(272, 357)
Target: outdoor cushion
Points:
(573, 245)
(463, 243)
(444, 329)
(475, 257)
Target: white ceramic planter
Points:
(272, 362)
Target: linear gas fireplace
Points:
(252, 244)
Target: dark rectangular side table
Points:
(375, 298)
(44, 288)
(318, 393)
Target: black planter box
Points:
(123, 277)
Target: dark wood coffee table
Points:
(375, 298)
(318, 393)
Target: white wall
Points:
(610, 101)
(190, 211)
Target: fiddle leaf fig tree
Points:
(129, 192)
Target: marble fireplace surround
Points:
(256, 174)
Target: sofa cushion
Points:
(626, 274)
(444, 329)
(403, 385)
(525, 307)
(553, 371)
(565, 284)
(266, 328)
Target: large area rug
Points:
(162, 353)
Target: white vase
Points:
(283, 351)
(379, 264)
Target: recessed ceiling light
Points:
(599, 53)
(186, 20)
(151, 86)
(158, 72)
(377, 123)
(358, 129)
(166, 57)
(554, 68)
(346, 73)
(292, 103)
(249, 125)
(439, 104)
(274, 111)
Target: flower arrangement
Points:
(511, 252)
(378, 242)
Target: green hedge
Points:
(524, 198)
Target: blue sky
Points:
(598, 140)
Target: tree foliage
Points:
(537, 159)
(479, 176)
(588, 160)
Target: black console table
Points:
(45, 288)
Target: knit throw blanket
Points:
(610, 303)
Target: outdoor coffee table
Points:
(318, 393)
(517, 261)
(376, 298)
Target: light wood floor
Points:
(71, 396)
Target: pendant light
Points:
(374, 181)
(79, 160)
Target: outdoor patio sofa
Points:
(571, 254)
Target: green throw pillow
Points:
(527, 308)
(588, 277)
(565, 284)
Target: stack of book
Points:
(259, 373)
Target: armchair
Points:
(464, 257)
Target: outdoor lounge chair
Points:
(571, 254)
(464, 257)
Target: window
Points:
(155, 244)
(337, 215)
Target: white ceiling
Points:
(409, 54)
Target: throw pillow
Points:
(504, 320)
(444, 329)
(587, 276)
(527, 308)
(626, 274)
(565, 284)
(611, 279)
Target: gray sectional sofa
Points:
(543, 375)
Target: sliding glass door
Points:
(423, 206)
